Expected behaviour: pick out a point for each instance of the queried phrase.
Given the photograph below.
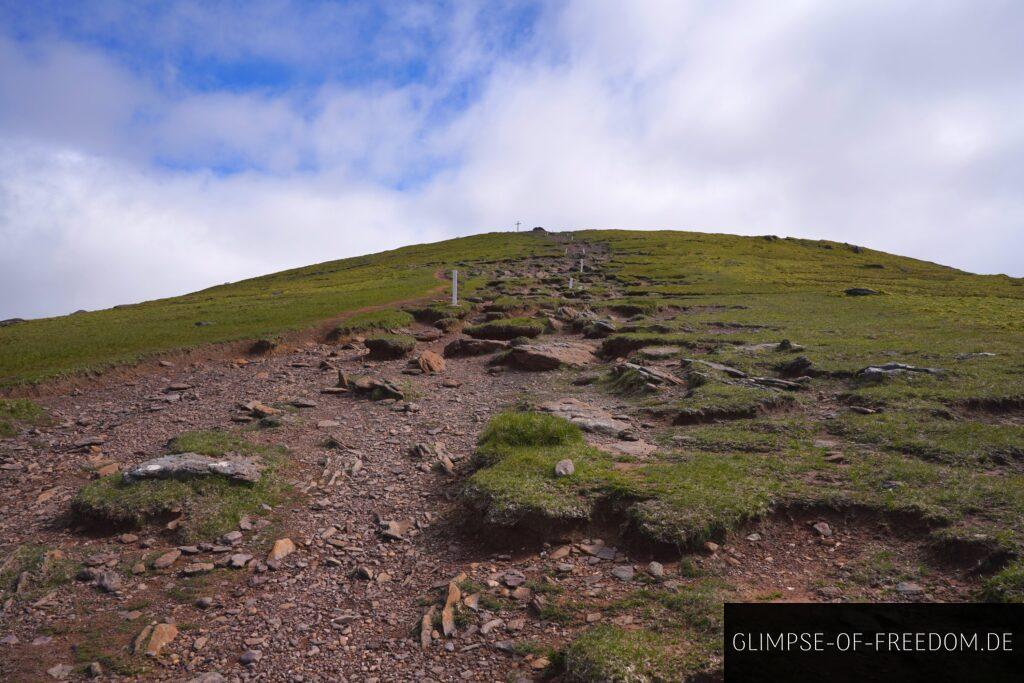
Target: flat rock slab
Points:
(192, 465)
(589, 418)
(551, 356)
(465, 347)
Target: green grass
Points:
(17, 413)
(44, 572)
(250, 309)
(610, 654)
(718, 400)
(211, 505)
(921, 434)
(386, 319)
(683, 501)
(1006, 586)
(516, 483)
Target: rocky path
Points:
(376, 526)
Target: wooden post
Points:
(455, 288)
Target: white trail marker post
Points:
(455, 288)
(570, 283)
(581, 265)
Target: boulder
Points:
(283, 547)
(564, 468)
(430, 362)
(192, 465)
(390, 346)
(465, 347)
(551, 356)
(861, 291)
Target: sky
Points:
(149, 149)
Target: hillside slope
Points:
(546, 482)
(666, 263)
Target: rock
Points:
(650, 375)
(513, 578)
(239, 560)
(623, 572)
(428, 335)
(209, 677)
(795, 367)
(395, 530)
(564, 468)
(490, 626)
(560, 552)
(754, 537)
(60, 671)
(426, 626)
(711, 546)
(161, 635)
(551, 356)
(823, 529)
(232, 538)
(302, 403)
(861, 291)
(193, 465)
(109, 582)
(465, 347)
(283, 547)
(250, 657)
(94, 670)
(587, 417)
(423, 451)
(261, 410)
(204, 602)
(878, 373)
(448, 612)
(390, 346)
(656, 569)
(167, 559)
(430, 362)
(909, 588)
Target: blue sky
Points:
(148, 149)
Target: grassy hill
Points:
(263, 306)
(783, 282)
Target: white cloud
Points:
(889, 125)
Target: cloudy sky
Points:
(149, 149)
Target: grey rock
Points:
(823, 529)
(564, 468)
(193, 465)
(909, 588)
(623, 572)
